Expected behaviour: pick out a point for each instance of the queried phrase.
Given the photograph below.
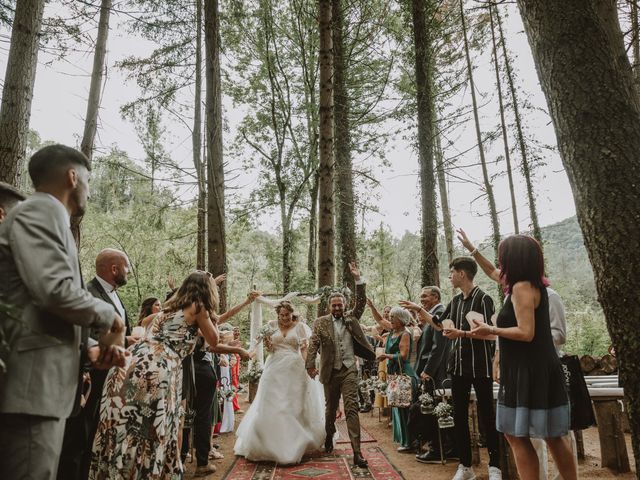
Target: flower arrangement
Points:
(381, 387)
(253, 373)
(426, 403)
(265, 331)
(443, 409)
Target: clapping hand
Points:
(480, 328)
(246, 355)
(452, 333)
(105, 357)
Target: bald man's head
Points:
(112, 266)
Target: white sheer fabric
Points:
(286, 418)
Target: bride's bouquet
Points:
(265, 332)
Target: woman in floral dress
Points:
(137, 436)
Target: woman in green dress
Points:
(397, 352)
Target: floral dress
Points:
(140, 412)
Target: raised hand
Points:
(462, 236)
(171, 283)
(409, 305)
(355, 271)
(220, 278)
(252, 295)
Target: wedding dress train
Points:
(286, 418)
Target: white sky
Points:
(60, 102)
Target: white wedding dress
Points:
(286, 418)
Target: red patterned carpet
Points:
(343, 437)
(335, 466)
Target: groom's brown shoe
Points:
(359, 461)
(328, 444)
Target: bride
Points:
(286, 418)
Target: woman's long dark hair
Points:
(146, 307)
(521, 260)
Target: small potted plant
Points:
(443, 411)
(426, 403)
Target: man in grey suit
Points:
(340, 338)
(41, 281)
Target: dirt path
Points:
(412, 470)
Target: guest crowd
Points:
(86, 394)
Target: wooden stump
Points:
(253, 388)
(507, 460)
(474, 430)
(613, 449)
(609, 364)
(579, 444)
(587, 363)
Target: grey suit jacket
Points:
(40, 276)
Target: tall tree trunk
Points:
(635, 38)
(17, 93)
(287, 248)
(586, 78)
(493, 212)
(197, 145)
(216, 241)
(345, 211)
(313, 235)
(93, 102)
(326, 260)
(444, 199)
(526, 169)
(424, 92)
(503, 124)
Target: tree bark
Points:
(326, 260)
(97, 74)
(587, 80)
(17, 93)
(197, 145)
(345, 211)
(93, 102)
(526, 169)
(216, 241)
(503, 124)
(424, 91)
(444, 199)
(488, 188)
(635, 38)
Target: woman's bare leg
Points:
(563, 457)
(525, 455)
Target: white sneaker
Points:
(495, 473)
(464, 473)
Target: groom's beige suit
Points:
(339, 342)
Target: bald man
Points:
(112, 270)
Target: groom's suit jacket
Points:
(323, 338)
(40, 277)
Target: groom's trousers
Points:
(343, 382)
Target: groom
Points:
(340, 339)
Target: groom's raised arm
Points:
(361, 293)
(314, 346)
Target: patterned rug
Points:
(335, 466)
(343, 433)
